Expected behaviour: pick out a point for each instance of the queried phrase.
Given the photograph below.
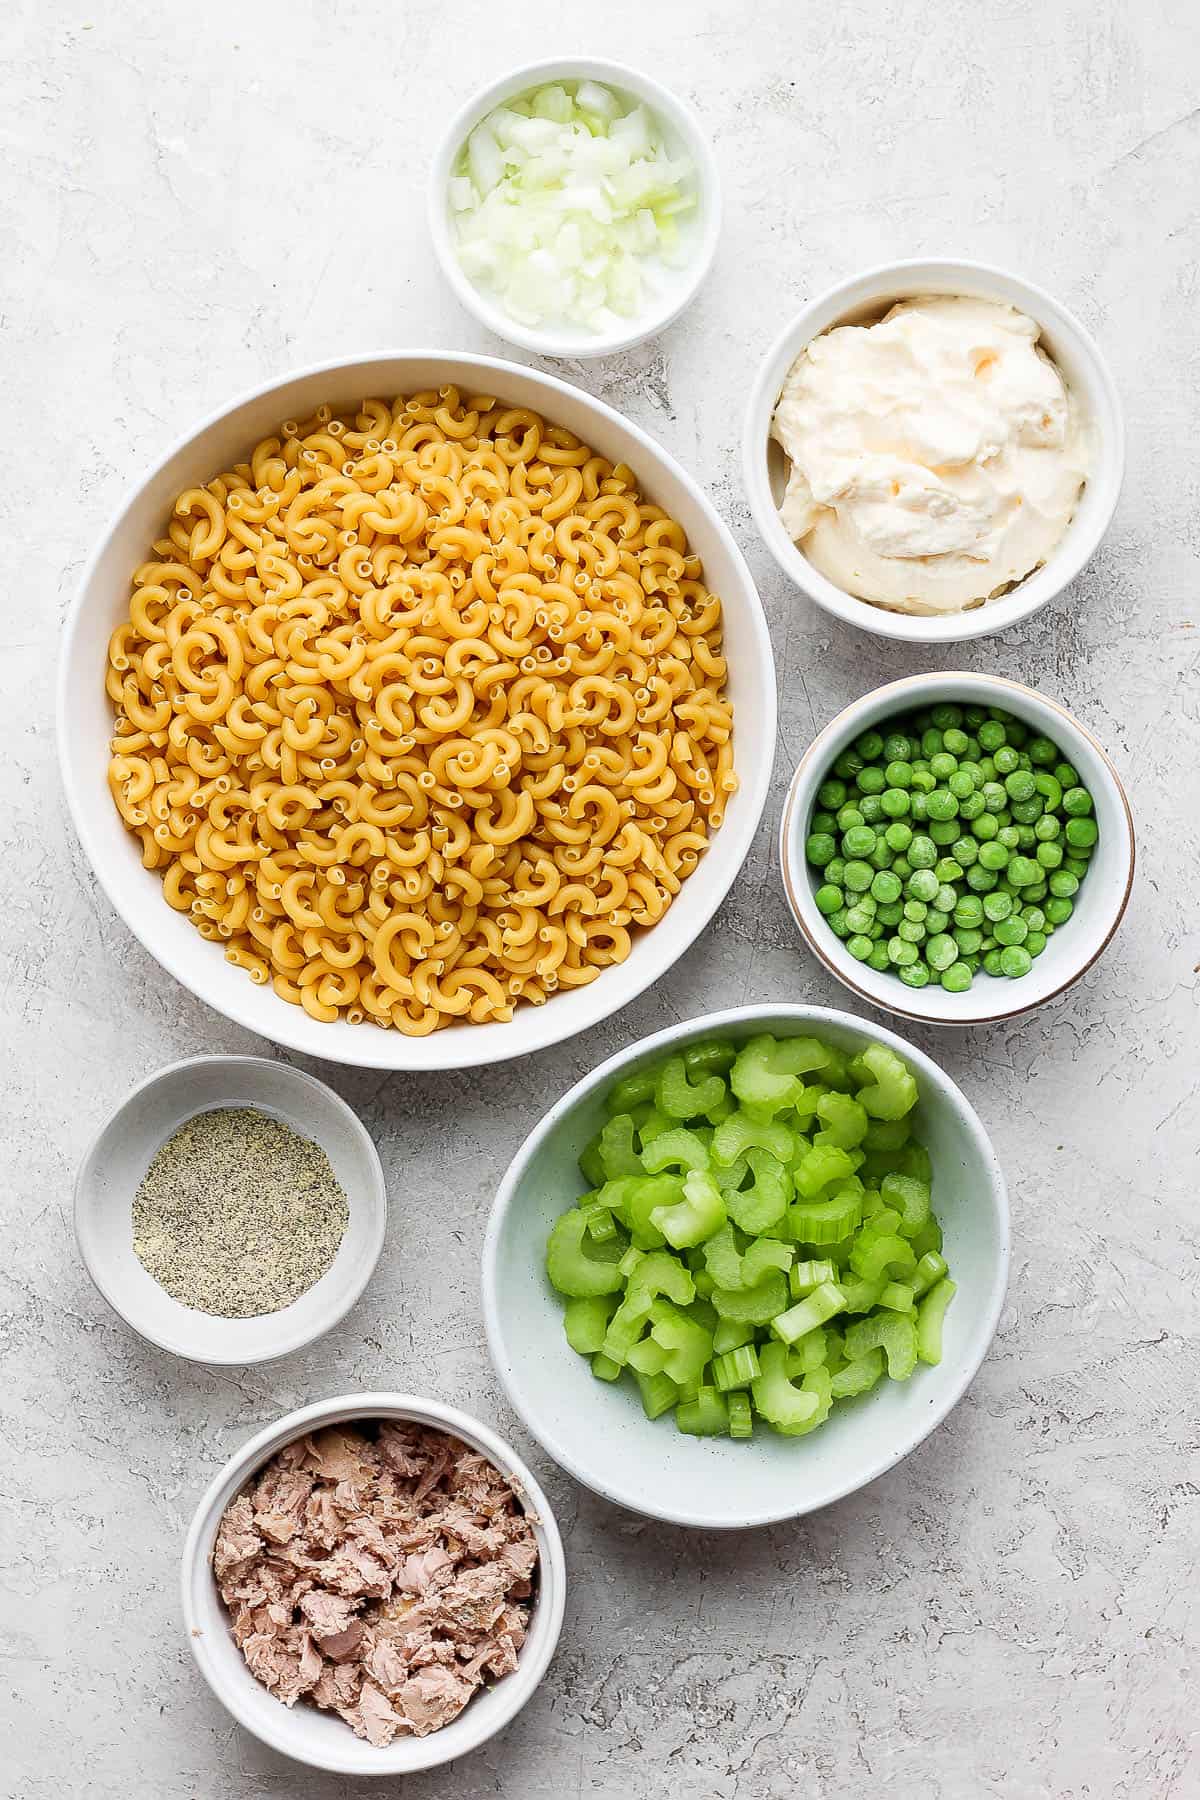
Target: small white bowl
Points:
(675, 287)
(598, 1431)
(84, 717)
(863, 300)
(1099, 904)
(321, 1739)
(121, 1153)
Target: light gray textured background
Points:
(193, 199)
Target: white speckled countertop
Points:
(193, 199)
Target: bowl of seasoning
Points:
(232, 1209)
(957, 848)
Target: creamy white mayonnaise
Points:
(936, 456)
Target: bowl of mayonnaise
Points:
(933, 450)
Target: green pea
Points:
(878, 958)
(897, 747)
(1027, 812)
(1015, 961)
(1035, 943)
(965, 851)
(946, 715)
(923, 782)
(871, 808)
(848, 764)
(895, 803)
(901, 953)
(828, 898)
(1049, 855)
(1009, 836)
(936, 920)
(889, 913)
(837, 923)
(1012, 930)
(880, 857)
(902, 867)
(1064, 885)
(1006, 760)
(997, 907)
(1058, 909)
(961, 785)
(859, 919)
(955, 741)
(957, 978)
(858, 877)
(1042, 752)
(985, 827)
(931, 741)
(969, 941)
(943, 765)
(1047, 828)
(823, 821)
(859, 840)
(898, 835)
(916, 910)
(972, 808)
(974, 716)
(940, 951)
(1081, 833)
(1019, 785)
(1017, 733)
(981, 880)
(923, 885)
(869, 746)
(886, 887)
(1050, 788)
(1075, 865)
(835, 871)
(1034, 917)
(899, 774)
(991, 735)
(948, 871)
(1066, 775)
(987, 770)
(918, 807)
(859, 947)
(831, 795)
(946, 898)
(869, 780)
(991, 963)
(969, 911)
(995, 798)
(911, 931)
(848, 817)
(943, 831)
(820, 849)
(942, 805)
(922, 852)
(915, 975)
(1076, 802)
(993, 856)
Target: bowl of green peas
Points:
(957, 848)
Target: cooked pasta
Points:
(420, 712)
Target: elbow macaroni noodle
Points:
(420, 713)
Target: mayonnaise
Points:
(936, 456)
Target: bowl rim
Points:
(843, 966)
(897, 280)
(342, 1408)
(988, 1317)
(298, 1338)
(678, 112)
(463, 1050)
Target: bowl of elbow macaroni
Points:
(417, 712)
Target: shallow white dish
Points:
(322, 1739)
(675, 287)
(1099, 904)
(598, 1431)
(84, 719)
(866, 298)
(121, 1152)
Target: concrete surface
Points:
(192, 199)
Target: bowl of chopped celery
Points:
(574, 206)
(746, 1265)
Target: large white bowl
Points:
(677, 286)
(318, 1738)
(598, 1431)
(865, 299)
(1103, 893)
(85, 713)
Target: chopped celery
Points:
(808, 1352)
(658, 1273)
(627, 1324)
(604, 1368)
(807, 1314)
(764, 1202)
(882, 1257)
(861, 1295)
(762, 1254)
(930, 1316)
(632, 1090)
(630, 1261)
(753, 1306)
(819, 1168)
(736, 1369)
(739, 1133)
(723, 1258)
(647, 1358)
(803, 1277)
(705, 1416)
(759, 1079)
(894, 1335)
(858, 1377)
(678, 1148)
(731, 1334)
(696, 1216)
(741, 1422)
(688, 1345)
(659, 1393)
(679, 1098)
(931, 1268)
(843, 1121)
(928, 1239)
(585, 1321)
(711, 1056)
(825, 1221)
(617, 1151)
(600, 1226)
(898, 1296)
(888, 1090)
(590, 1165)
(569, 1266)
(908, 1196)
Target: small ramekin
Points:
(1103, 892)
(122, 1151)
(684, 133)
(321, 1739)
(866, 298)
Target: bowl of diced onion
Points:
(574, 207)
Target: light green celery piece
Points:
(618, 1152)
(931, 1268)
(824, 1164)
(604, 1368)
(883, 1257)
(886, 1134)
(804, 1055)
(705, 1416)
(910, 1198)
(916, 1161)
(647, 1357)
(630, 1261)
(711, 1056)
(898, 1296)
(874, 1203)
(590, 1165)
(696, 1216)
(704, 1283)
(736, 1369)
(626, 1326)
(741, 1421)
(791, 1410)
(634, 1197)
(688, 1345)
(731, 1334)
(632, 1090)
(803, 1277)
(739, 1133)
(808, 1352)
(839, 1252)
(882, 1222)
(722, 1110)
(825, 1221)
(704, 1312)
(660, 1273)
(835, 1348)
(807, 1314)
(759, 1079)
(571, 1270)
(753, 1306)
(762, 1254)
(680, 1098)
(888, 1089)
(659, 1393)
(652, 1126)
(723, 1257)
(843, 1121)
(858, 1377)
(806, 1104)
(585, 1321)
(930, 1315)
(600, 1226)
(730, 1180)
(928, 1239)
(861, 1295)
(677, 1148)
(892, 1333)
(761, 1205)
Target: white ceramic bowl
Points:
(675, 287)
(121, 1153)
(85, 715)
(863, 300)
(1099, 904)
(600, 1433)
(322, 1739)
